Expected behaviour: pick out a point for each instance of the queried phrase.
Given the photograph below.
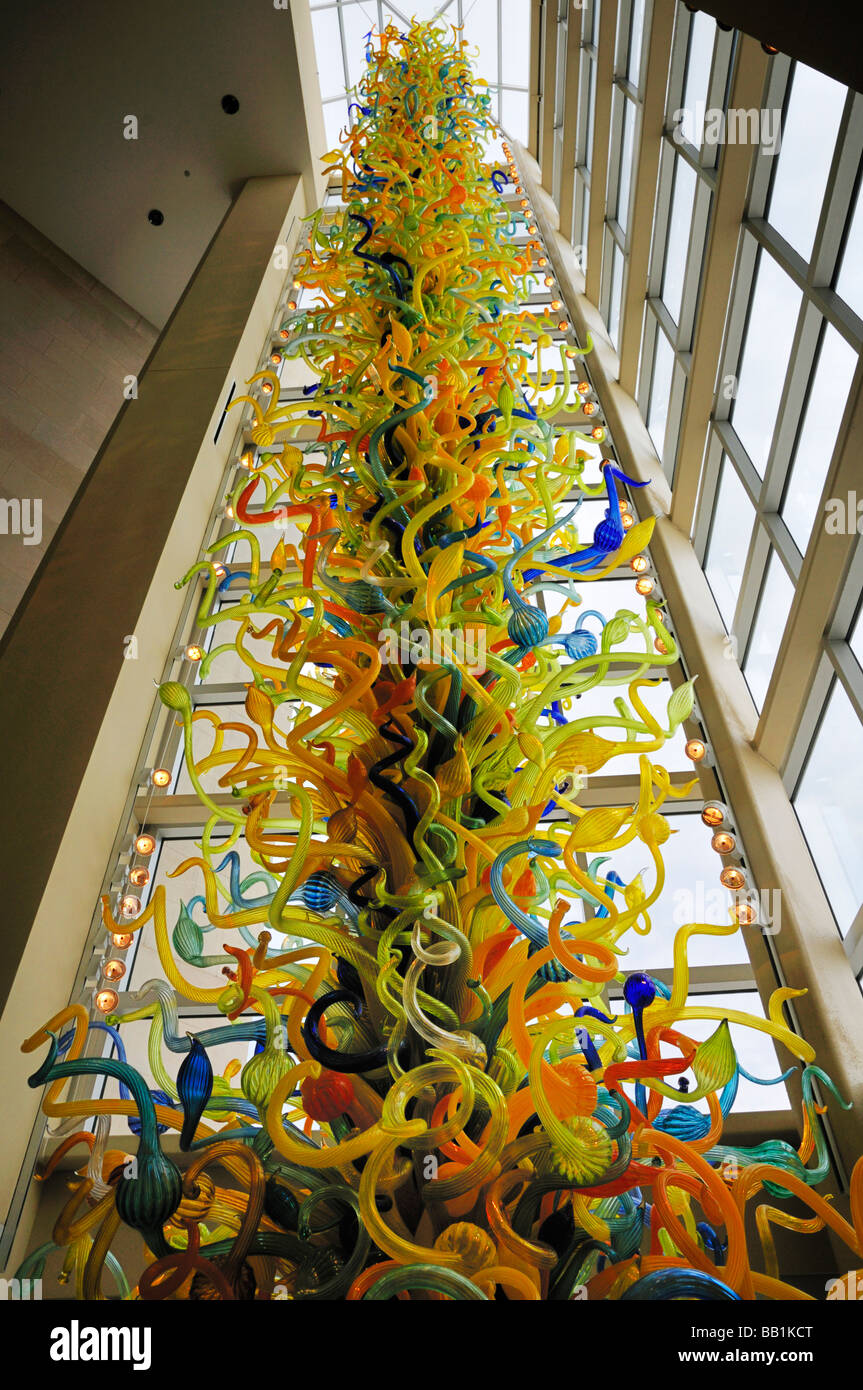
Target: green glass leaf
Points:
(188, 937)
(715, 1060)
(681, 704)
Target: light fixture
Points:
(626, 521)
(106, 1000)
(193, 652)
(140, 876)
(582, 387)
(129, 905)
(229, 512)
(557, 304)
(588, 408)
(597, 432)
(660, 646)
(695, 749)
(276, 359)
(723, 842)
(733, 877)
(543, 261)
(121, 940)
(247, 459)
(292, 304)
(638, 564)
(267, 388)
(713, 814)
(644, 585)
(549, 280)
(145, 844)
(219, 571)
(160, 777)
(114, 970)
(769, 48)
(745, 913)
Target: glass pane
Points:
(357, 24)
(733, 520)
(624, 186)
(657, 414)
(616, 294)
(591, 103)
(770, 331)
(855, 641)
(850, 281)
(679, 226)
(633, 69)
(328, 51)
(335, 120)
(832, 381)
(776, 597)
(698, 63)
(480, 30)
(425, 10)
(513, 114)
(581, 249)
(809, 128)
(514, 43)
(829, 806)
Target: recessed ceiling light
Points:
(155, 217)
(230, 105)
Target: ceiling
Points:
(72, 73)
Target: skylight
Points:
(501, 50)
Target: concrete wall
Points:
(66, 343)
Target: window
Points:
(773, 311)
(698, 64)
(499, 31)
(733, 523)
(831, 383)
(809, 128)
(657, 415)
(829, 804)
(679, 229)
(850, 280)
(773, 610)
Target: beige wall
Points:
(66, 343)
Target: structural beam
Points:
(599, 154)
(79, 709)
(572, 77)
(548, 64)
(735, 168)
(644, 198)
